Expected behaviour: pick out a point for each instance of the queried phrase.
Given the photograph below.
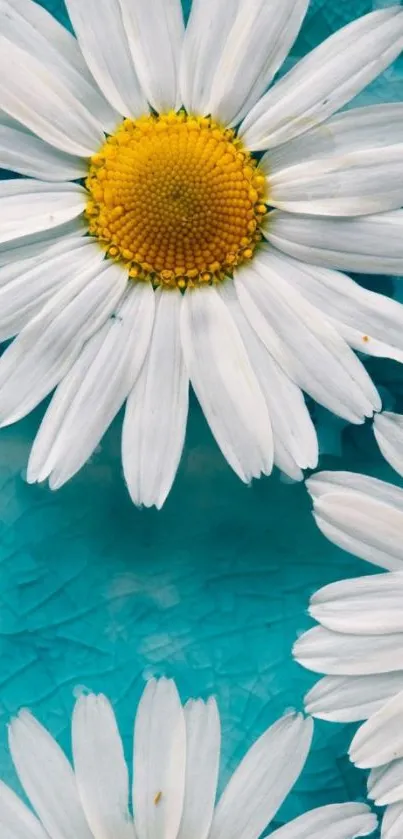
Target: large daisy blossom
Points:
(359, 645)
(176, 762)
(153, 272)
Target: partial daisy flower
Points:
(176, 762)
(360, 514)
(359, 645)
(132, 255)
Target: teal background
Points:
(212, 590)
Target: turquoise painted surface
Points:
(212, 590)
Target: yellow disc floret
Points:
(177, 198)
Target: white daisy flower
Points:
(154, 273)
(359, 645)
(176, 762)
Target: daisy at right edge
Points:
(359, 642)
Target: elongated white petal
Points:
(263, 779)
(26, 286)
(335, 821)
(364, 527)
(99, 28)
(353, 184)
(358, 129)
(29, 26)
(202, 764)
(351, 698)
(336, 654)
(34, 245)
(45, 350)
(388, 430)
(369, 322)
(325, 79)
(16, 820)
(93, 391)
(28, 206)
(159, 762)
(45, 106)
(385, 783)
(322, 363)
(392, 822)
(348, 166)
(225, 384)
(294, 435)
(156, 413)
(28, 155)
(207, 30)
(372, 244)
(47, 778)
(155, 33)
(259, 39)
(380, 739)
(100, 769)
(363, 606)
(328, 482)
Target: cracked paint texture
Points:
(212, 590)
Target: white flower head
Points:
(180, 257)
(359, 641)
(175, 771)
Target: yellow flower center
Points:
(177, 198)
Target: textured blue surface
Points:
(212, 590)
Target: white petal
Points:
(34, 245)
(99, 28)
(348, 166)
(294, 436)
(322, 363)
(16, 820)
(45, 350)
(258, 37)
(47, 778)
(325, 482)
(392, 822)
(351, 698)
(202, 764)
(371, 323)
(336, 654)
(369, 529)
(263, 779)
(30, 27)
(372, 244)
(28, 207)
(334, 821)
(155, 33)
(385, 783)
(100, 769)
(93, 391)
(159, 762)
(26, 286)
(225, 383)
(156, 412)
(363, 606)
(28, 155)
(380, 739)
(372, 127)
(45, 106)
(388, 430)
(325, 79)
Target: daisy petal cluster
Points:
(148, 247)
(175, 767)
(358, 644)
